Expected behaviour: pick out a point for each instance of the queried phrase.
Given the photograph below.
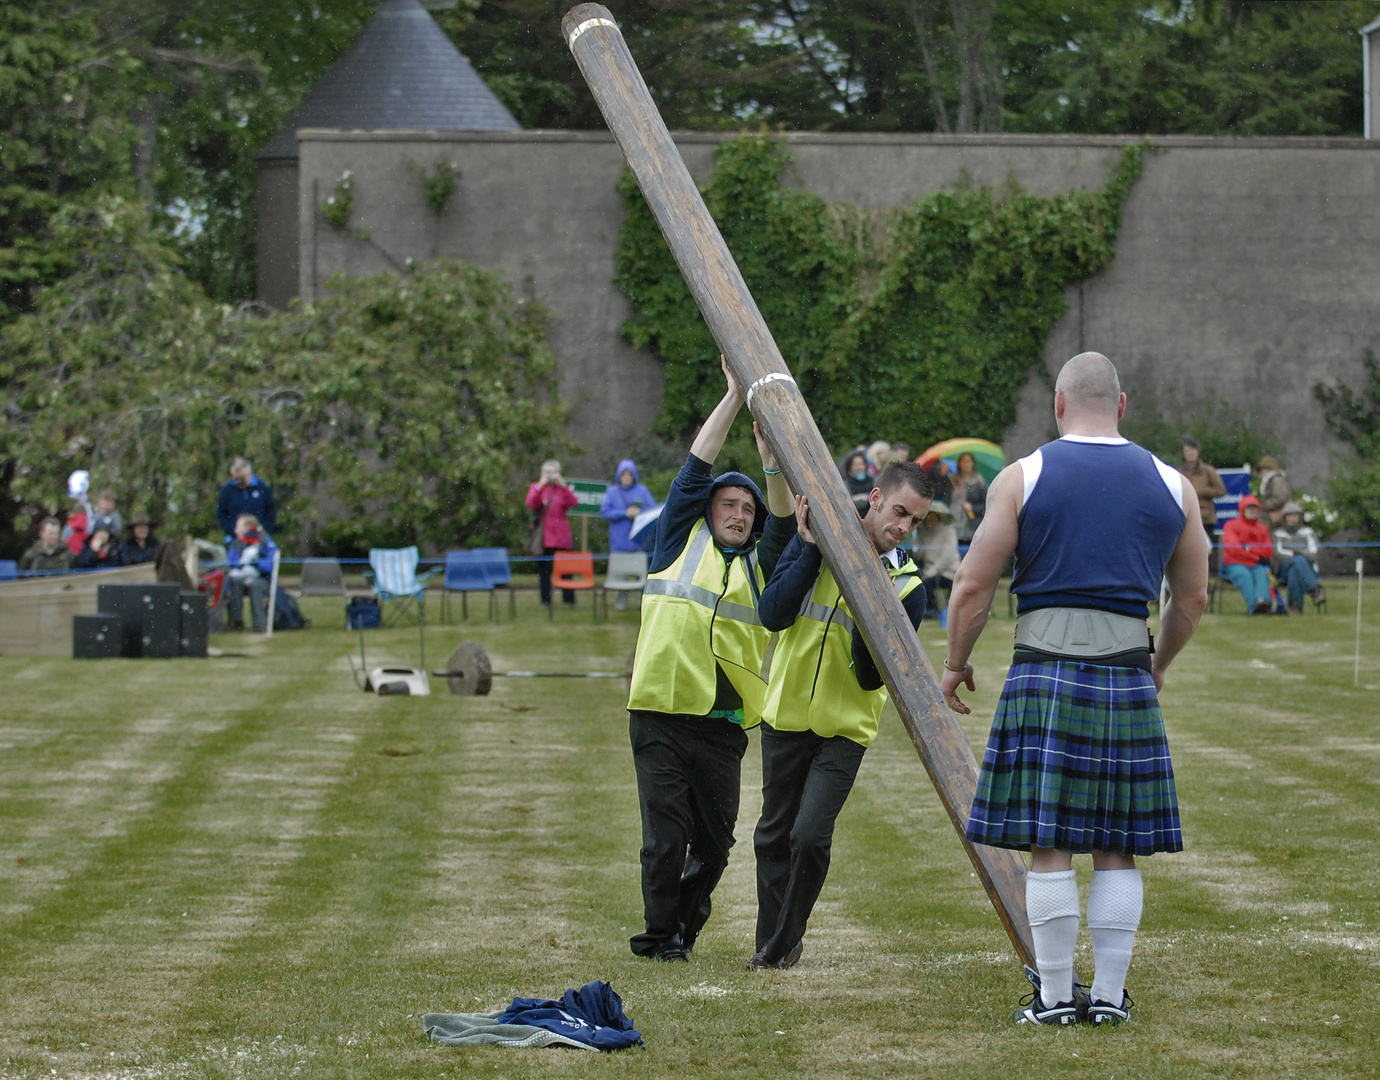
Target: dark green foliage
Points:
(1354, 416)
(413, 401)
(1228, 441)
(923, 324)
(66, 135)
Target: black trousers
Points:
(545, 569)
(688, 774)
(806, 779)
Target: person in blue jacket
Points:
(623, 501)
(245, 493)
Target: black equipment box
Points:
(97, 637)
(151, 616)
(193, 622)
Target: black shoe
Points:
(1262, 607)
(672, 954)
(1033, 1004)
(1102, 1013)
(760, 961)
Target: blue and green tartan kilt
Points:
(1077, 760)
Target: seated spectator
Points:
(100, 553)
(934, 545)
(76, 532)
(1295, 558)
(250, 567)
(1246, 551)
(140, 546)
(245, 493)
(1274, 489)
(49, 553)
(878, 456)
(106, 516)
(623, 501)
(858, 479)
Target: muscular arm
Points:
(1187, 574)
(975, 584)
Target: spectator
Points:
(935, 546)
(101, 552)
(140, 545)
(1295, 558)
(1274, 489)
(250, 568)
(857, 478)
(1246, 551)
(245, 493)
(550, 499)
(106, 516)
(1206, 484)
(900, 451)
(967, 497)
(49, 552)
(76, 532)
(625, 498)
(878, 454)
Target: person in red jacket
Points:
(1246, 551)
(551, 498)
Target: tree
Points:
(414, 401)
(1354, 417)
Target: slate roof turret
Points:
(401, 73)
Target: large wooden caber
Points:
(776, 403)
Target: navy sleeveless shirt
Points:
(1099, 521)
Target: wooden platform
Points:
(36, 613)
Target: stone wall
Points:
(1246, 269)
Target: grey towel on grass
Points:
(483, 1029)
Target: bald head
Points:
(1087, 394)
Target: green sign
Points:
(591, 496)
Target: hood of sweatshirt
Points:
(1247, 500)
(625, 464)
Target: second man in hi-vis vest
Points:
(823, 704)
(697, 683)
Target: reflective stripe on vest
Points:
(684, 587)
(826, 614)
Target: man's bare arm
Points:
(975, 584)
(1187, 574)
(710, 439)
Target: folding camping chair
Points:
(401, 591)
(467, 572)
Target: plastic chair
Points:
(500, 572)
(322, 577)
(9, 570)
(627, 572)
(467, 572)
(401, 591)
(573, 570)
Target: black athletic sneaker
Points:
(672, 954)
(1103, 1012)
(1033, 1010)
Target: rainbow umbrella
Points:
(987, 456)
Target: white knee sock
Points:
(1114, 906)
(1051, 901)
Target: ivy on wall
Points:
(920, 322)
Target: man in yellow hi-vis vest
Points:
(697, 679)
(823, 703)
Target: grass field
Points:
(244, 867)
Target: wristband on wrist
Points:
(961, 668)
(772, 472)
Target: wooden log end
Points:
(583, 17)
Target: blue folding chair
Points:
(467, 572)
(9, 570)
(400, 589)
(500, 573)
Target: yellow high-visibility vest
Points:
(700, 614)
(813, 686)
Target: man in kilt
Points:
(1077, 759)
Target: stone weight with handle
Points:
(776, 403)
